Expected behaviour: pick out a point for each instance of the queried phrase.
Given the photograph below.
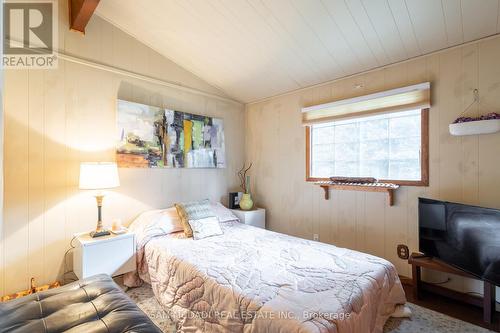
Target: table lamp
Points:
(99, 176)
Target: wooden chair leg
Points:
(416, 281)
(488, 302)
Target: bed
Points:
(255, 280)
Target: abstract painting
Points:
(153, 137)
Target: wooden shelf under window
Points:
(368, 187)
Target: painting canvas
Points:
(153, 137)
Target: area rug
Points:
(422, 319)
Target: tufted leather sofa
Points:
(92, 305)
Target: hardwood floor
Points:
(462, 311)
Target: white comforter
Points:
(254, 280)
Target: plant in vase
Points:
(246, 202)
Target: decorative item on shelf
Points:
(246, 202)
(357, 180)
(485, 124)
(99, 176)
(234, 200)
(33, 289)
(117, 228)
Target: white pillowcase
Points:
(224, 214)
(206, 227)
(166, 220)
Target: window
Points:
(391, 147)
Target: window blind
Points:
(406, 98)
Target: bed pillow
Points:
(194, 210)
(164, 221)
(222, 213)
(205, 227)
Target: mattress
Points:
(255, 280)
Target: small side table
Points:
(255, 217)
(113, 255)
(487, 302)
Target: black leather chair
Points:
(93, 305)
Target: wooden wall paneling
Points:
(396, 228)
(450, 93)
(55, 172)
(321, 207)
(338, 90)
(375, 230)
(488, 162)
(304, 217)
(16, 153)
(396, 219)
(2, 123)
(76, 147)
(432, 64)
(361, 221)
(346, 218)
(416, 73)
(270, 168)
(489, 159)
(36, 169)
(498, 22)
(285, 205)
(470, 144)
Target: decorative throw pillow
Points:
(222, 213)
(206, 227)
(193, 211)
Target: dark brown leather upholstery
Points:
(92, 305)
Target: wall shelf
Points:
(367, 187)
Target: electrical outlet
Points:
(316, 237)
(403, 251)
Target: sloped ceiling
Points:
(260, 48)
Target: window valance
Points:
(406, 98)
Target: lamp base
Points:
(99, 233)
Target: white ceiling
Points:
(260, 48)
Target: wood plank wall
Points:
(462, 169)
(57, 118)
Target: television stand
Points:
(487, 302)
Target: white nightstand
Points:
(112, 255)
(255, 217)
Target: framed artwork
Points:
(234, 200)
(153, 137)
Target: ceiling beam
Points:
(80, 12)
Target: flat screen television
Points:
(467, 237)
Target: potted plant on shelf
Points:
(246, 202)
(485, 124)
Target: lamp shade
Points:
(98, 175)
